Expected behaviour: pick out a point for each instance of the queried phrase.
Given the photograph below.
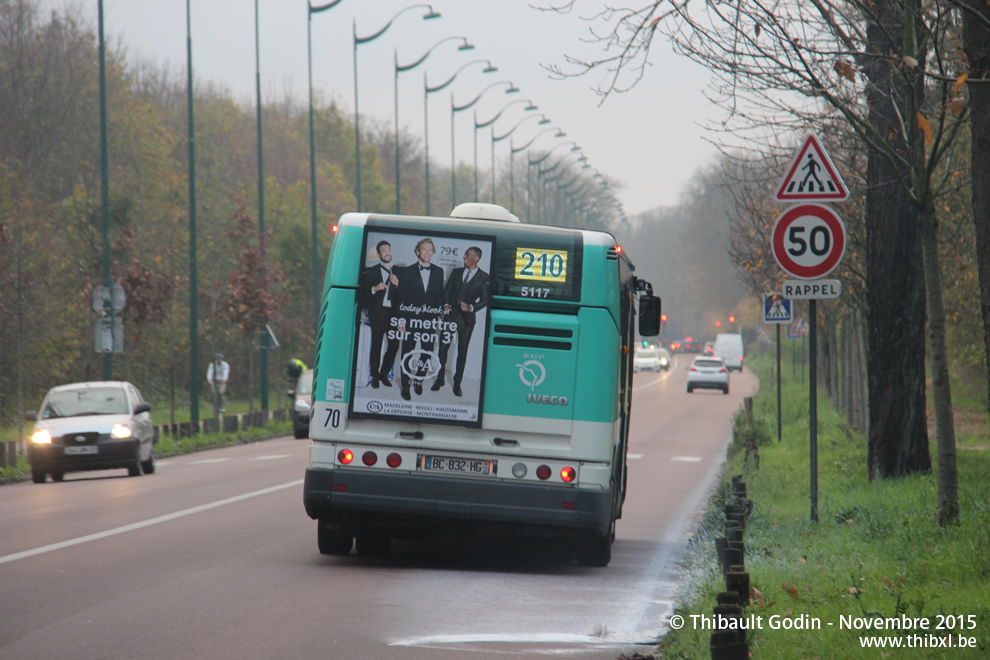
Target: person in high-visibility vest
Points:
(294, 369)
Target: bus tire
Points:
(596, 550)
(373, 546)
(329, 542)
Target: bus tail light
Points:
(570, 506)
(369, 458)
(568, 474)
(345, 456)
(544, 472)
(393, 460)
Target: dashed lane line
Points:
(146, 523)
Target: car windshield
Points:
(709, 363)
(90, 401)
(305, 383)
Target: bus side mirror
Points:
(649, 315)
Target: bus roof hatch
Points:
(480, 211)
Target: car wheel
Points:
(725, 390)
(329, 542)
(58, 476)
(596, 550)
(38, 477)
(373, 546)
(148, 466)
(690, 389)
(300, 433)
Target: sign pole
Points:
(779, 432)
(813, 403)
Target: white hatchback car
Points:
(708, 372)
(91, 426)
(653, 359)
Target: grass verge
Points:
(876, 552)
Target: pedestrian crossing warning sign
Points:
(776, 308)
(812, 176)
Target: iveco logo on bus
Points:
(547, 399)
(532, 373)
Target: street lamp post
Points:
(529, 107)
(399, 68)
(514, 150)
(193, 268)
(312, 155)
(357, 117)
(427, 90)
(540, 173)
(454, 108)
(543, 121)
(261, 188)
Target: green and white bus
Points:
(473, 374)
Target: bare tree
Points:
(889, 71)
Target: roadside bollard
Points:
(737, 580)
(725, 645)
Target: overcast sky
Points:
(648, 140)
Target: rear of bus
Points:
(534, 444)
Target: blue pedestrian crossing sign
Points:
(776, 308)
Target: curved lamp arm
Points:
(559, 134)
(317, 9)
(543, 120)
(457, 108)
(554, 148)
(499, 114)
(399, 68)
(488, 69)
(363, 40)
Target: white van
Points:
(730, 348)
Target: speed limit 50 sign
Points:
(808, 241)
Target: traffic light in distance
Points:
(718, 324)
(732, 319)
(645, 343)
(663, 318)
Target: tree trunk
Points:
(898, 433)
(945, 434)
(976, 42)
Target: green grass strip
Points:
(877, 551)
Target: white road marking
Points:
(145, 523)
(647, 637)
(635, 457)
(270, 458)
(209, 460)
(686, 459)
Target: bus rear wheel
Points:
(329, 542)
(373, 546)
(596, 550)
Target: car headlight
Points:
(302, 406)
(663, 362)
(121, 431)
(42, 437)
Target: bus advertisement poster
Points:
(422, 329)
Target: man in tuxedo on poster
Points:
(465, 294)
(379, 285)
(420, 297)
